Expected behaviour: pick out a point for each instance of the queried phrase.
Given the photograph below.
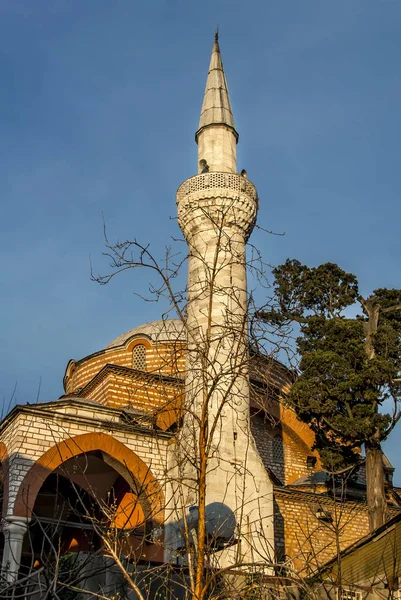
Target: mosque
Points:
(122, 446)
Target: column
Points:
(14, 529)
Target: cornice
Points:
(45, 412)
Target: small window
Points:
(347, 594)
(139, 358)
(278, 450)
(311, 461)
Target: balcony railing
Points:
(216, 181)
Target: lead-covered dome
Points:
(162, 331)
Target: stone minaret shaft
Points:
(216, 211)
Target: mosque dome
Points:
(162, 331)
(155, 347)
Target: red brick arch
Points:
(133, 466)
(3, 452)
(137, 341)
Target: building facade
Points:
(122, 448)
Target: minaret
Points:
(216, 212)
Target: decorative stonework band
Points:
(216, 181)
(211, 201)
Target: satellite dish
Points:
(220, 521)
(220, 527)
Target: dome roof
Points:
(167, 330)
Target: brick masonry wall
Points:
(307, 541)
(163, 358)
(295, 456)
(264, 432)
(281, 448)
(139, 393)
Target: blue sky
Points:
(99, 102)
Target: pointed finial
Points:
(216, 108)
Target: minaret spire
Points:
(216, 135)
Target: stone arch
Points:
(126, 462)
(138, 340)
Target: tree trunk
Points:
(376, 497)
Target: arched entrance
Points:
(84, 504)
(86, 495)
(123, 460)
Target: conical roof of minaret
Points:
(216, 107)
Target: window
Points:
(139, 358)
(278, 450)
(311, 461)
(347, 594)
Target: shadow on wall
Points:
(269, 443)
(279, 539)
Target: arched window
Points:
(139, 357)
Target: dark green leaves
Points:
(324, 290)
(348, 366)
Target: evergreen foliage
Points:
(349, 366)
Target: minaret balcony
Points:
(213, 196)
(215, 199)
(213, 182)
